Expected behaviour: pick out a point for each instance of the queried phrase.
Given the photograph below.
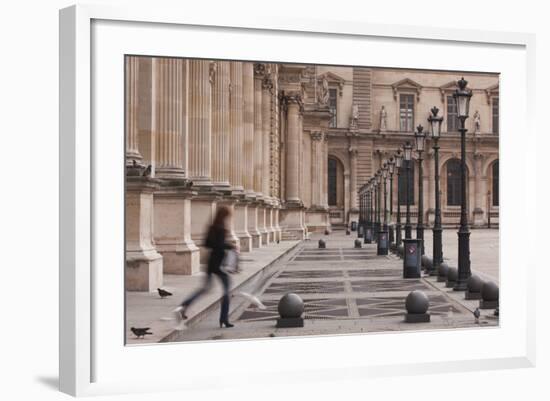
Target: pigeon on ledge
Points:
(140, 332)
(147, 172)
(476, 315)
(163, 293)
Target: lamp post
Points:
(385, 183)
(420, 138)
(462, 97)
(391, 168)
(398, 164)
(382, 248)
(408, 153)
(435, 123)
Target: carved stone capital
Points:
(259, 70)
(316, 135)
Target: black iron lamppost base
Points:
(464, 272)
(392, 236)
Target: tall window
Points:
(406, 112)
(402, 184)
(332, 101)
(332, 169)
(453, 182)
(495, 183)
(495, 116)
(452, 115)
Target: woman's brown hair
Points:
(222, 213)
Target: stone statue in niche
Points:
(477, 122)
(383, 119)
(323, 95)
(354, 115)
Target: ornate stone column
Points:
(480, 190)
(132, 112)
(199, 122)
(267, 86)
(220, 126)
(248, 131)
(144, 265)
(172, 201)
(259, 74)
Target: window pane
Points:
(495, 115)
(495, 183)
(332, 102)
(332, 182)
(406, 112)
(452, 114)
(453, 182)
(402, 184)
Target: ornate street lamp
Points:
(407, 150)
(420, 138)
(462, 97)
(379, 204)
(391, 169)
(383, 244)
(385, 182)
(435, 124)
(398, 164)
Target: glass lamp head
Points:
(462, 97)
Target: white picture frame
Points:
(89, 358)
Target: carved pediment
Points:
(406, 84)
(334, 80)
(491, 91)
(448, 87)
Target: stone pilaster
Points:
(143, 263)
(168, 113)
(241, 225)
(236, 127)
(132, 112)
(248, 129)
(267, 87)
(199, 123)
(259, 74)
(354, 210)
(253, 224)
(480, 189)
(220, 126)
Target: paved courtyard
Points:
(347, 290)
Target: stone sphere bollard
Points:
(442, 272)
(291, 308)
(322, 244)
(400, 250)
(348, 232)
(473, 290)
(327, 232)
(452, 276)
(417, 304)
(357, 243)
(489, 296)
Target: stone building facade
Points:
(285, 146)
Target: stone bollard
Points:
(442, 273)
(322, 244)
(417, 304)
(427, 263)
(489, 296)
(357, 243)
(474, 287)
(452, 276)
(348, 232)
(327, 232)
(291, 308)
(400, 250)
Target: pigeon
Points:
(147, 172)
(140, 332)
(163, 293)
(256, 303)
(476, 315)
(277, 240)
(134, 163)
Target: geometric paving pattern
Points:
(395, 306)
(388, 285)
(313, 309)
(310, 274)
(305, 287)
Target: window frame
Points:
(449, 117)
(413, 111)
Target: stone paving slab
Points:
(144, 309)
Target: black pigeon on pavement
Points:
(140, 332)
(147, 172)
(477, 314)
(163, 293)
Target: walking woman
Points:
(216, 242)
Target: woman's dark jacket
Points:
(215, 240)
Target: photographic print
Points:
(267, 199)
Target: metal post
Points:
(463, 233)
(398, 225)
(437, 231)
(408, 227)
(420, 214)
(392, 238)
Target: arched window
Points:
(495, 183)
(453, 182)
(332, 182)
(402, 185)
